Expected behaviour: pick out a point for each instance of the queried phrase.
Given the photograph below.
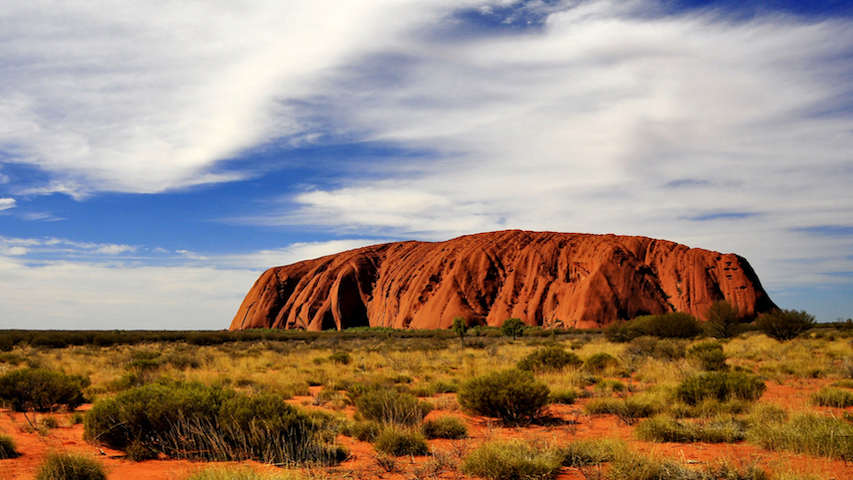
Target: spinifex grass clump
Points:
(809, 433)
(41, 390)
(549, 358)
(237, 473)
(191, 420)
(445, 427)
(513, 460)
(513, 396)
(665, 429)
(399, 441)
(70, 466)
(720, 386)
(7, 447)
(388, 405)
(710, 356)
(833, 397)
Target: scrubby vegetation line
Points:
(483, 403)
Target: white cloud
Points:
(78, 295)
(7, 203)
(113, 249)
(194, 293)
(144, 97)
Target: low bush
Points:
(600, 361)
(723, 320)
(397, 442)
(366, 431)
(629, 410)
(562, 397)
(596, 451)
(662, 349)
(512, 460)
(341, 358)
(70, 466)
(720, 386)
(189, 420)
(7, 447)
(445, 427)
(667, 325)
(549, 359)
(665, 429)
(833, 397)
(511, 395)
(41, 390)
(386, 405)
(784, 325)
(710, 356)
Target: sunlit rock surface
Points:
(543, 278)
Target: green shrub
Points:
(660, 348)
(365, 431)
(512, 460)
(562, 397)
(720, 386)
(189, 420)
(511, 395)
(445, 427)
(549, 358)
(833, 397)
(512, 327)
(667, 325)
(69, 466)
(594, 451)
(784, 324)
(41, 390)
(600, 361)
(390, 406)
(629, 410)
(7, 447)
(342, 358)
(710, 356)
(723, 320)
(397, 442)
(665, 429)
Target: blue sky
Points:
(155, 158)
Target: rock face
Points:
(543, 278)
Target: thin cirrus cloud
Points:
(144, 97)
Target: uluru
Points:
(554, 280)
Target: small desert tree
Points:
(460, 328)
(513, 327)
(723, 320)
(785, 324)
